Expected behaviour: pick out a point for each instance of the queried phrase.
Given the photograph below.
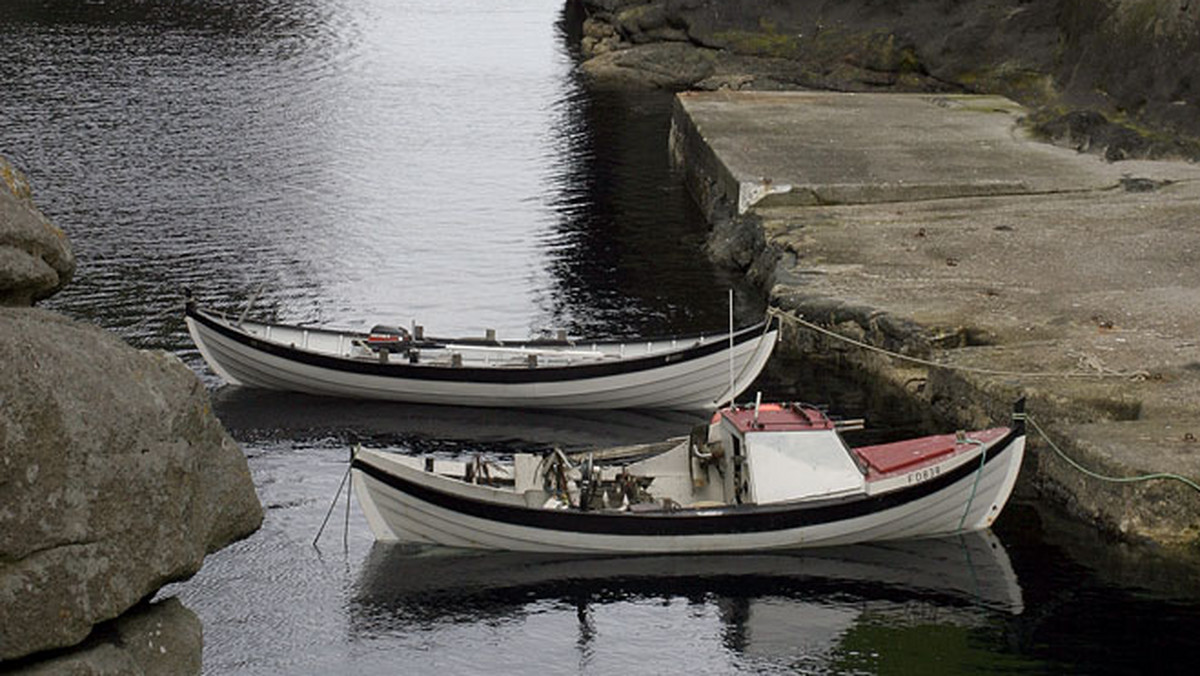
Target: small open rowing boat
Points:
(684, 373)
(774, 476)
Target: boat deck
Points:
(887, 459)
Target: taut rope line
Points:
(796, 319)
(792, 317)
(1111, 479)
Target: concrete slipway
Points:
(935, 227)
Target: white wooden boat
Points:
(776, 476)
(683, 373)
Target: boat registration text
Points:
(924, 474)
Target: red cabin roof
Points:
(777, 418)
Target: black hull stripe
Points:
(468, 374)
(728, 520)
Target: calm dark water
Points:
(429, 161)
(360, 160)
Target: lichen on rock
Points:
(162, 637)
(117, 478)
(36, 260)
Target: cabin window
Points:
(799, 465)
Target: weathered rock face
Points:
(1132, 60)
(160, 638)
(864, 45)
(35, 256)
(115, 478)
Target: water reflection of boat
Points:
(971, 569)
(390, 363)
(251, 411)
(772, 604)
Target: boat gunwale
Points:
(484, 374)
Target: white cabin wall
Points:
(787, 466)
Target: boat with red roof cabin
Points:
(761, 477)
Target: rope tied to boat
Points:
(964, 439)
(1102, 477)
(346, 526)
(1098, 370)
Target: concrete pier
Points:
(935, 227)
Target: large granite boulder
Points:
(115, 478)
(154, 638)
(35, 256)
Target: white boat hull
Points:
(403, 502)
(691, 374)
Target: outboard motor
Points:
(390, 339)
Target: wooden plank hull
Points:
(682, 374)
(966, 492)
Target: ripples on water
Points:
(362, 160)
(428, 161)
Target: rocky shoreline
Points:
(117, 476)
(1113, 77)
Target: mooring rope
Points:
(978, 473)
(1096, 475)
(345, 537)
(792, 317)
(796, 319)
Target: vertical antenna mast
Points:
(731, 392)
